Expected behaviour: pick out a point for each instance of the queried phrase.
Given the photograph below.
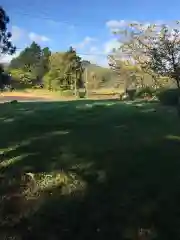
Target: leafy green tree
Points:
(20, 78)
(6, 46)
(33, 60)
(74, 68)
(46, 53)
(65, 71)
(55, 79)
(5, 36)
(28, 58)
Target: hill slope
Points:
(100, 77)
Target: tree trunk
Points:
(178, 82)
(178, 103)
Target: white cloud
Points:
(89, 39)
(22, 34)
(38, 38)
(99, 54)
(110, 45)
(96, 52)
(86, 41)
(20, 38)
(7, 58)
(93, 49)
(98, 59)
(115, 24)
(17, 33)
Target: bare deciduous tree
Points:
(155, 48)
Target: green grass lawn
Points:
(101, 169)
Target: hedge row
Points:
(165, 96)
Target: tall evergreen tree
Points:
(65, 71)
(74, 68)
(6, 46)
(5, 36)
(34, 60)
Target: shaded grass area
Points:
(101, 170)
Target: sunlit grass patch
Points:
(13, 160)
(68, 182)
(8, 120)
(10, 161)
(173, 137)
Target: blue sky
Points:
(84, 24)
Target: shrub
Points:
(14, 102)
(145, 92)
(168, 96)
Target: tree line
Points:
(151, 50)
(36, 66)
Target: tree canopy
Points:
(155, 48)
(34, 60)
(6, 45)
(54, 70)
(65, 71)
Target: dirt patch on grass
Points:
(25, 94)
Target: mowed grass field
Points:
(97, 170)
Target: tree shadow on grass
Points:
(119, 165)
